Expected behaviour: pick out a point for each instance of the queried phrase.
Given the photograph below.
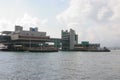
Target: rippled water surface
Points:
(60, 66)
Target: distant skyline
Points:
(96, 21)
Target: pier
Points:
(34, 40)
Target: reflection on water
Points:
(60, 66)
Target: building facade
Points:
(27, 40)
(33, 40)
(69, 39)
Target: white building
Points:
(19, 33)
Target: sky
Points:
(96, 21)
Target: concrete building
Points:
(31, 40)
(19, 33)
(69, 39)
(70, 43)
(18, 28)
(73, 39)
(86, 46)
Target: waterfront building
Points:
(86, 46)
(27, 40)
(69, 39)
(70, 43)
(34, 40)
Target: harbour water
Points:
(60, 66)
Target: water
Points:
(60, 66)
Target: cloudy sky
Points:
(93, 20)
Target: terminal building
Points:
(31, 40)
(34, 40)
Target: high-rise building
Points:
(69, 39)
